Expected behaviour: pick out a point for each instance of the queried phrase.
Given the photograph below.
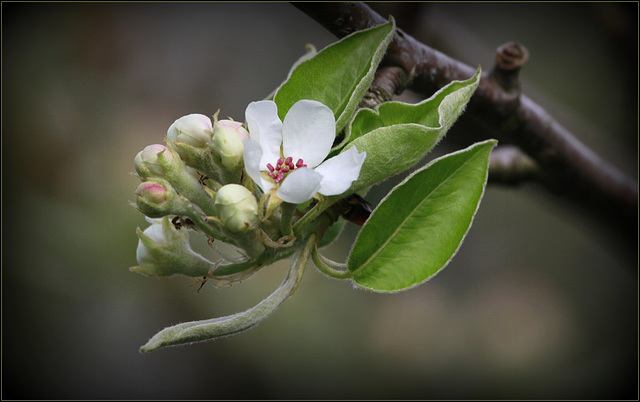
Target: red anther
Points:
(288, 160)
(279, 177)
(280, 161)
(270, 167)
(273, 176)
(285, 169)
(300, 163)
(291, 166)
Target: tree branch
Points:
(565, 166)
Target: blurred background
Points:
(538, 303)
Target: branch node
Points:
(387, 82)
(511, 167)
(510, 58)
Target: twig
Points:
(566, 167)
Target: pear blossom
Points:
(289, 156)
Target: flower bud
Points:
(157, 198)
(159, 162)
(227, 142)
(237, 208)
(153, 161)
(193, 129)
(164, 250)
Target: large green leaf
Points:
(397, 135)
(418, 227)
(338, 75)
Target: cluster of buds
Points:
(195, 178)
(210, 176)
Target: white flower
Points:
(289, 155)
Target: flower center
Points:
(283, 166)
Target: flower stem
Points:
(287, 211)
(325, 265)
(322, 204)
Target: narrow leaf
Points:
(338, 75)
(418, 227)
(198, 331)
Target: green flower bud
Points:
(227, 142)
(237, 208)
(193, 129)
(164, 250)
(154, 161)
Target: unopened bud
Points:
(194, 129)
(158, 162)
(164, 250)
(237, 208)
(227, 142)
(157, 198)
(155, 160)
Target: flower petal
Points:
(340, 171)
(299, 186)
(252, 155)
(266, 128)
(308, 131)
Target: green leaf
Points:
(391, 150)
(440, 111)
(418, 227)
(338, 75)
(397, 135)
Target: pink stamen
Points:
(283, 166)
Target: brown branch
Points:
(566, 167)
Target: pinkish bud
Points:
(154, 160)
(152, 192)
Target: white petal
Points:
(308, 132)
(266, 128)
(340, 171)
(252, 155)
(299, 186)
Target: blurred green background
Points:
(538, 303)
